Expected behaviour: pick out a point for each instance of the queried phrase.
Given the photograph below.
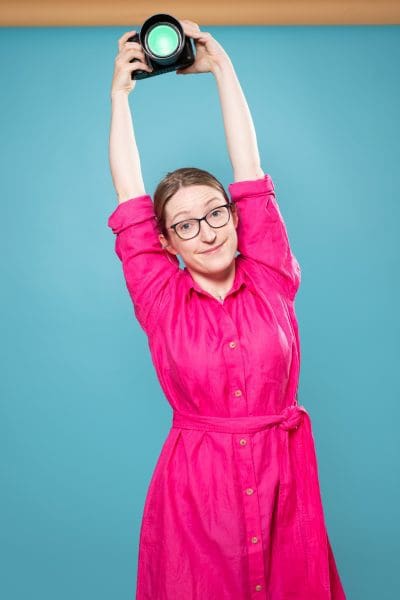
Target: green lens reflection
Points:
(162, 40)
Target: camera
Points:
(165, 45)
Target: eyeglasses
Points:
(217, 217)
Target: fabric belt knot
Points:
(292, 416)
(289, 418)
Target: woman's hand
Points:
(122, 81)
(209, 53)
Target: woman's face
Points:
(196, 201)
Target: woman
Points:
(233, 510)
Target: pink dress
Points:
(233, 510)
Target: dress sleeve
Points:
(262, 235)
(147, 267)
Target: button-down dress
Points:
(233, 510)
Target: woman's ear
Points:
(163, 240)
(166, 244)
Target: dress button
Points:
(258, 587)
(238, 392)
(243, 442)
(249, 491)
(254, 539)
(232, 344)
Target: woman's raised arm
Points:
(147, 268)
(123, 152)
(262, 235)
(239, 129)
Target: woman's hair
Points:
(175, 180)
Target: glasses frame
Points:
(228, 204)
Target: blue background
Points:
(83, 417)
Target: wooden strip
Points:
(132, 13)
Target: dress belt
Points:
(289, 418)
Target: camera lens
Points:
(165, 45)
(162, 40)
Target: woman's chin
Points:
(218, 264)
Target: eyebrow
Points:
(185, 212)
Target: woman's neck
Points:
(219, 284)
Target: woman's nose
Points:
(206, 231)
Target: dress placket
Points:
(252, 517)
(234, 365)
(244, 457)
(247, 477)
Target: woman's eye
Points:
(184, 226)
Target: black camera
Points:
(165, 46)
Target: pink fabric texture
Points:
(233, 510)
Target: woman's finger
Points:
(190, 28)
(129, 55)
(138, 64)
(190, 23)
(125, 38)
(129, 46)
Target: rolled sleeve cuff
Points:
(241, 189)
(131, 212)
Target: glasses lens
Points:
(218, 216)
(187, 229)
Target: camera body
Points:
(165, 45)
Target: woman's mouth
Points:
(212, 250)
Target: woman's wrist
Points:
(221, 65)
